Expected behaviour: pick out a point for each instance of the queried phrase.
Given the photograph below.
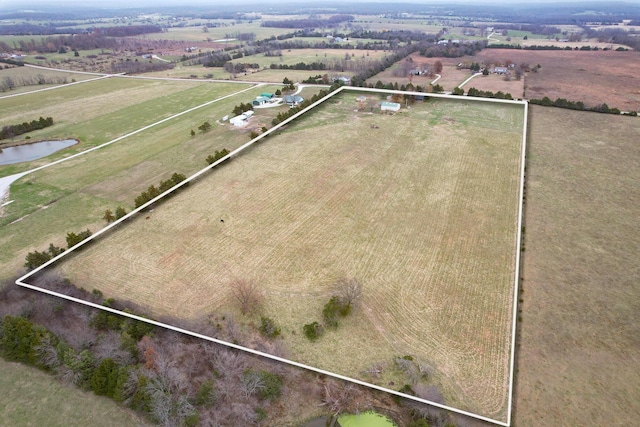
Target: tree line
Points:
(484, 93)
(11, 82)
(15, 130)
(152, 192)
(36, 258)
(547, 47)
(332, 21)
(579, 105)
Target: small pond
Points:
(33, 151)
(365, 419)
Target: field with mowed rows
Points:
(420, 206)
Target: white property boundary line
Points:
(21, 280)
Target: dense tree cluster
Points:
(452, 50)
(578, 105)
(15, 130)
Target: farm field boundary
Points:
(23, 280)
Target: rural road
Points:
(469, 79)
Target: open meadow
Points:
(578, 347)
(420, 206)
(74, 195)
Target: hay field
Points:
(579, 349)
(422, 210)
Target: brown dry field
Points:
(579, 339)
(591, 77)
(431, 234)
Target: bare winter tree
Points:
(349, 290)
(340, 398)
(252, 382)
(247, 294)
(47, 353)
(437, 67)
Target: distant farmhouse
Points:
(292, 100)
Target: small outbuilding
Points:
(241, 120)
(389, 106)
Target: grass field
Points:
(25, 77)
(421, 209)
(73, 195)
(230, 30)
(294, 56)
(33, 398)
(579, 348)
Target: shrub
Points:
(19, 339)
(272, 386)
(268, 327)
(313, 331)
(207, 394)
(108, 378)
(334, 308)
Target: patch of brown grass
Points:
(579, 347)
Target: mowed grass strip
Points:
(579, 347)
(31, 397)
(420, 206)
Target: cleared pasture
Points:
(579, 349)
(421, 209)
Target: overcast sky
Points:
(22, 4)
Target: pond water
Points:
(365, 419)
(36, 150)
